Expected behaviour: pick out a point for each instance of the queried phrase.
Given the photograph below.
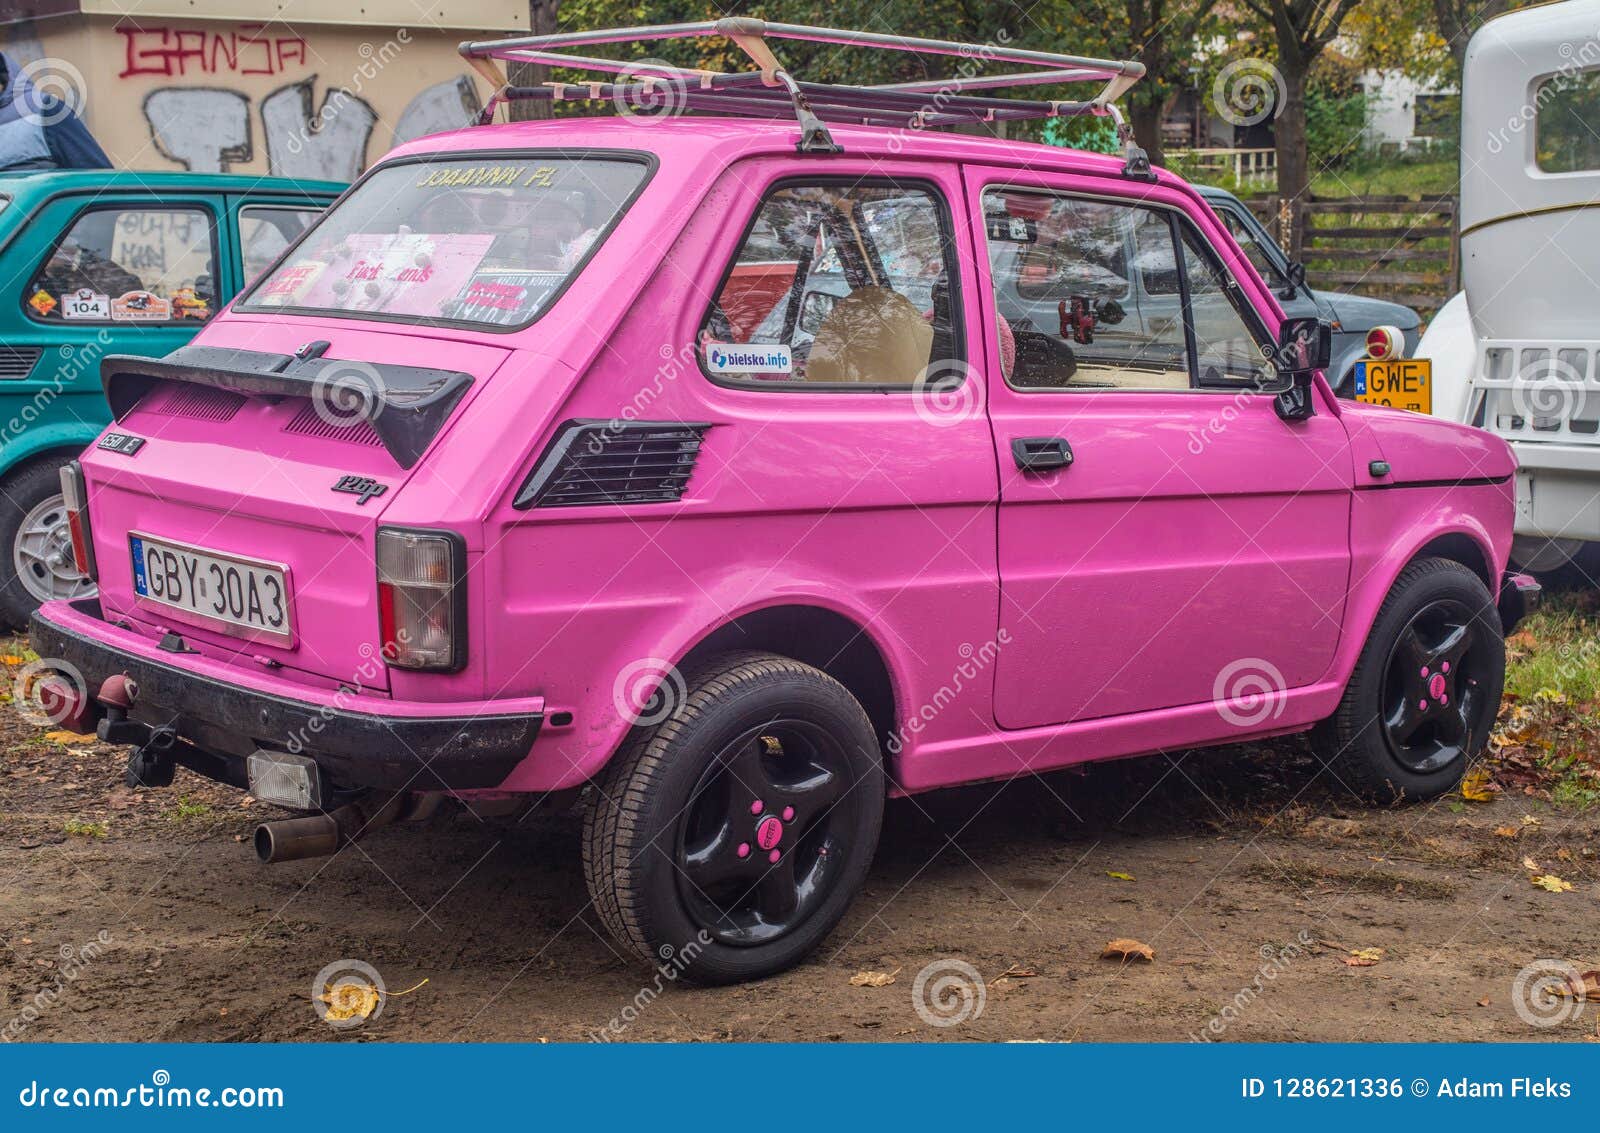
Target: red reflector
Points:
(80, 542)
(1381, 345)
(387, 629)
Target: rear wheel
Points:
(38, 565)
(729, 839)
(1422, 700)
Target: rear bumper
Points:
(358, 741)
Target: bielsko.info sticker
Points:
(745, 358)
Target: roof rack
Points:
(770, 91)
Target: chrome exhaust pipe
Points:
(318, 835)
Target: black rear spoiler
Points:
(406, 405)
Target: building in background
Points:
(1405, 115)
(290, 87)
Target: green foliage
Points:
(1334, 122)
(1098, 135)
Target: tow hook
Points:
(152, 765)
(318, 835)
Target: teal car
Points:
(97, 263)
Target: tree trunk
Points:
(1145, 118)
(1289, 137)
(542, 20)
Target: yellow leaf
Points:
(1363, 957)
(1505, 831)
(1124, 948)
(1475, 788)
(1551, 882)
(65, 737)
(873, 979)
(1119, 876)
(1530, 864)
(1530, 820)
(11, 659)
(348, 1000)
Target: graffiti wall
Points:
(316, 100)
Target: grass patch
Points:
(187, 810)
(78, 829)
(1423, 178)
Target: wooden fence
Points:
(1386, 247)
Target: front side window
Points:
(266, 230)
(1569, 106)
(486, 242)
(838, 284)
(129, 265)
(1088, 293)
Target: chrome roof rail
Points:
(770, 91)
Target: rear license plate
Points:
(239, 596)
(1405, 383)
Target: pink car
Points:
(743, 469)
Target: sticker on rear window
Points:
(735, 358)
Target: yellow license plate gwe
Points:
(1405, 383)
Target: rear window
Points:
(485, 242)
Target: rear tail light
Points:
(422, 598)
(75, 497)
(1385, 343)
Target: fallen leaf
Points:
(873, 979)
(1475, 788)
(1119, 876)
(1530, 820)
(1363, 957)
(11, 659)
(1505, 831)
(1551, 882)
(1585, 990)
(348, 1000)
(1484, 1002)
(1125, 949)
(1522, 639)
(1529, 863)
(65, 737)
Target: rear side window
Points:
(1565, 139)
(484, 242)
(129, 265)
(266, 230)
(839, 284)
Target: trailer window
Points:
(1565, 138)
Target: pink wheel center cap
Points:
(769, 832)
(1436, 686)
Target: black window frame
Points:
(639, 157)
(195, 205)
(951, 377)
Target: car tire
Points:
(33, 533)
(725, 841)
(1422, 700)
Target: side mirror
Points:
(1305, 345)
(1294, 280)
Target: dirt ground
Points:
(1245, 871)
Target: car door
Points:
(1164, 537)
(128, 273)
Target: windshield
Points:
(485, 241)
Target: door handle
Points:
(1041, 454)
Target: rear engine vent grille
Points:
(17, 362)
(600, 462)
(181, 399)
(326, 423)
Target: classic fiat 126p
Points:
(738, 469)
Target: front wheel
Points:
(729, 839)
(1423, 698)
(33, 528)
